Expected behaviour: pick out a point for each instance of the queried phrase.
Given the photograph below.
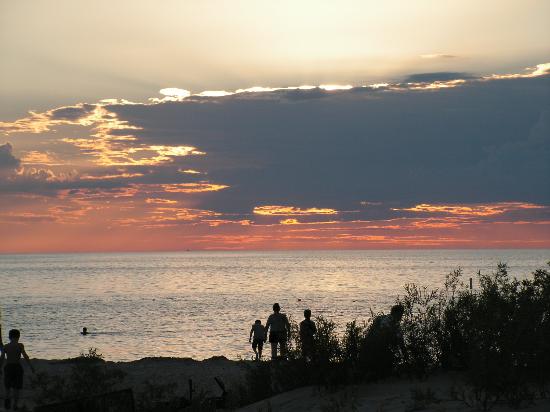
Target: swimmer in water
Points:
(84, 331)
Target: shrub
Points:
(498, 335)
(327, 345)
(422, 329)
(352, 341)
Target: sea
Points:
(202, 304)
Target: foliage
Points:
(352, 341)
(498, 335)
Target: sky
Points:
(174, 125)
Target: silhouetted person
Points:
(307, 335)
(84, 331)
(258, 330)
(13, 371)
(279, 329)
(382, 344)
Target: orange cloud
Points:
(274, 210)
(97, 194)
(289, 222)
(109, 177)
(471, 210)
(117, 220)
(175, 214)
(108, 145)
(161, 201)
(45, 175)
(446, 84)
(41, 158)
(190, 171)
(193, 187)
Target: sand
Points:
(160, 371)
(392, 395)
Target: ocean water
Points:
(202, 304)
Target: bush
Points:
(352, 341)
(327, 345)
(422, 329)
(498, 335)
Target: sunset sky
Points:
(171, 125)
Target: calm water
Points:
(202, 304)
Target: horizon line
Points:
(107, 252)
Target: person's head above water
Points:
(397, 312)
(258, 322)
(307, 313)
(14, 335)
(84, 331)
(276, 308)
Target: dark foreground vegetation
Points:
(497, 336)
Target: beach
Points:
(141, 374)
(391, 395)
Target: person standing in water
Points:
(279, 329)
(13, 371)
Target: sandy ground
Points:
(160, 371)
(390, 396)
(394, 395)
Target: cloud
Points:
(35, 157)
(72, 113)
(437, 77)
(161, 201)
(539, 70)
(171, 94)
(8, 162)
(273, 210)
(471, 210)
(122, 175)
(449, 146)
(193, 187)
(289, 221)
(438, 56)
(392, 144)
(189, 171)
